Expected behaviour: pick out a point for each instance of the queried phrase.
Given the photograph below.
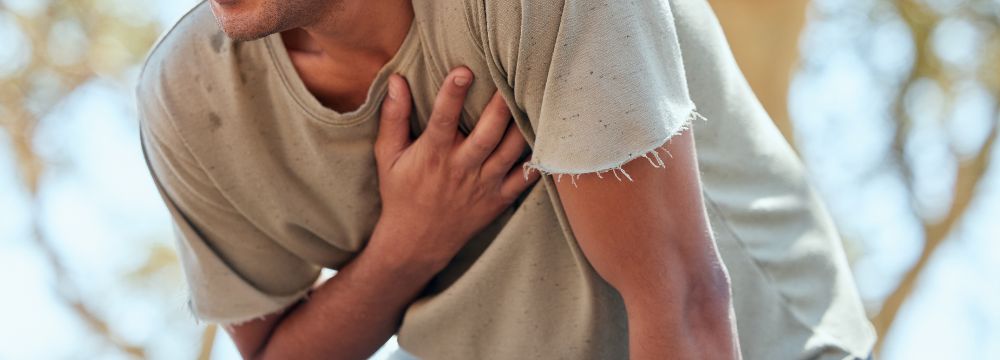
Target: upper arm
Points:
(645, 234)
(601, 82)
(605, 89)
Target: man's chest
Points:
(307, 182)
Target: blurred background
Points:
(892, 105)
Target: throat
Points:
(339, 85)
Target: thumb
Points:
(394, 122)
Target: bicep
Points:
(642, 234)
(604, 89)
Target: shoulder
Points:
(526, 15)
(523, 30)
(175, 70)
(180, 47)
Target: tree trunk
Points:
(764, 36)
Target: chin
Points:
(239, 20)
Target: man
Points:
(265, 127)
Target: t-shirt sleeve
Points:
(603, 82)
(234, 272)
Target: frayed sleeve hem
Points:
(231, 317)
(614, 167)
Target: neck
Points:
(359, 32)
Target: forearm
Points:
(353, 313)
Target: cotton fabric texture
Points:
(266, 186)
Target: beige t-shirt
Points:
(267, 187)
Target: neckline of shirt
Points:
(296, 87)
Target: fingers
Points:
(443, 124)
(506, 154)
(394, 123)
(486, 135)
(515, 183)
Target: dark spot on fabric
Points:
(236, 54)
(214, 121)
(208, 88)
(217, 40)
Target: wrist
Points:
(403, 247)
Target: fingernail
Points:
(393, 90)
(461, 80)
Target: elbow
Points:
(678, 288)
(260, 353)
(719, 336)
(258, 348)
(677, 280)
(710, 316)
(712, 288)
(709, 304)
(693, 315)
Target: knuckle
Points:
(389, 112)
(381, 147)
(486, 192)
(498, 109)
(380, 155)
(506, 159)
(456, 174)
(479, 145)
(507, 198)
(492, 172)
(442, 120)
